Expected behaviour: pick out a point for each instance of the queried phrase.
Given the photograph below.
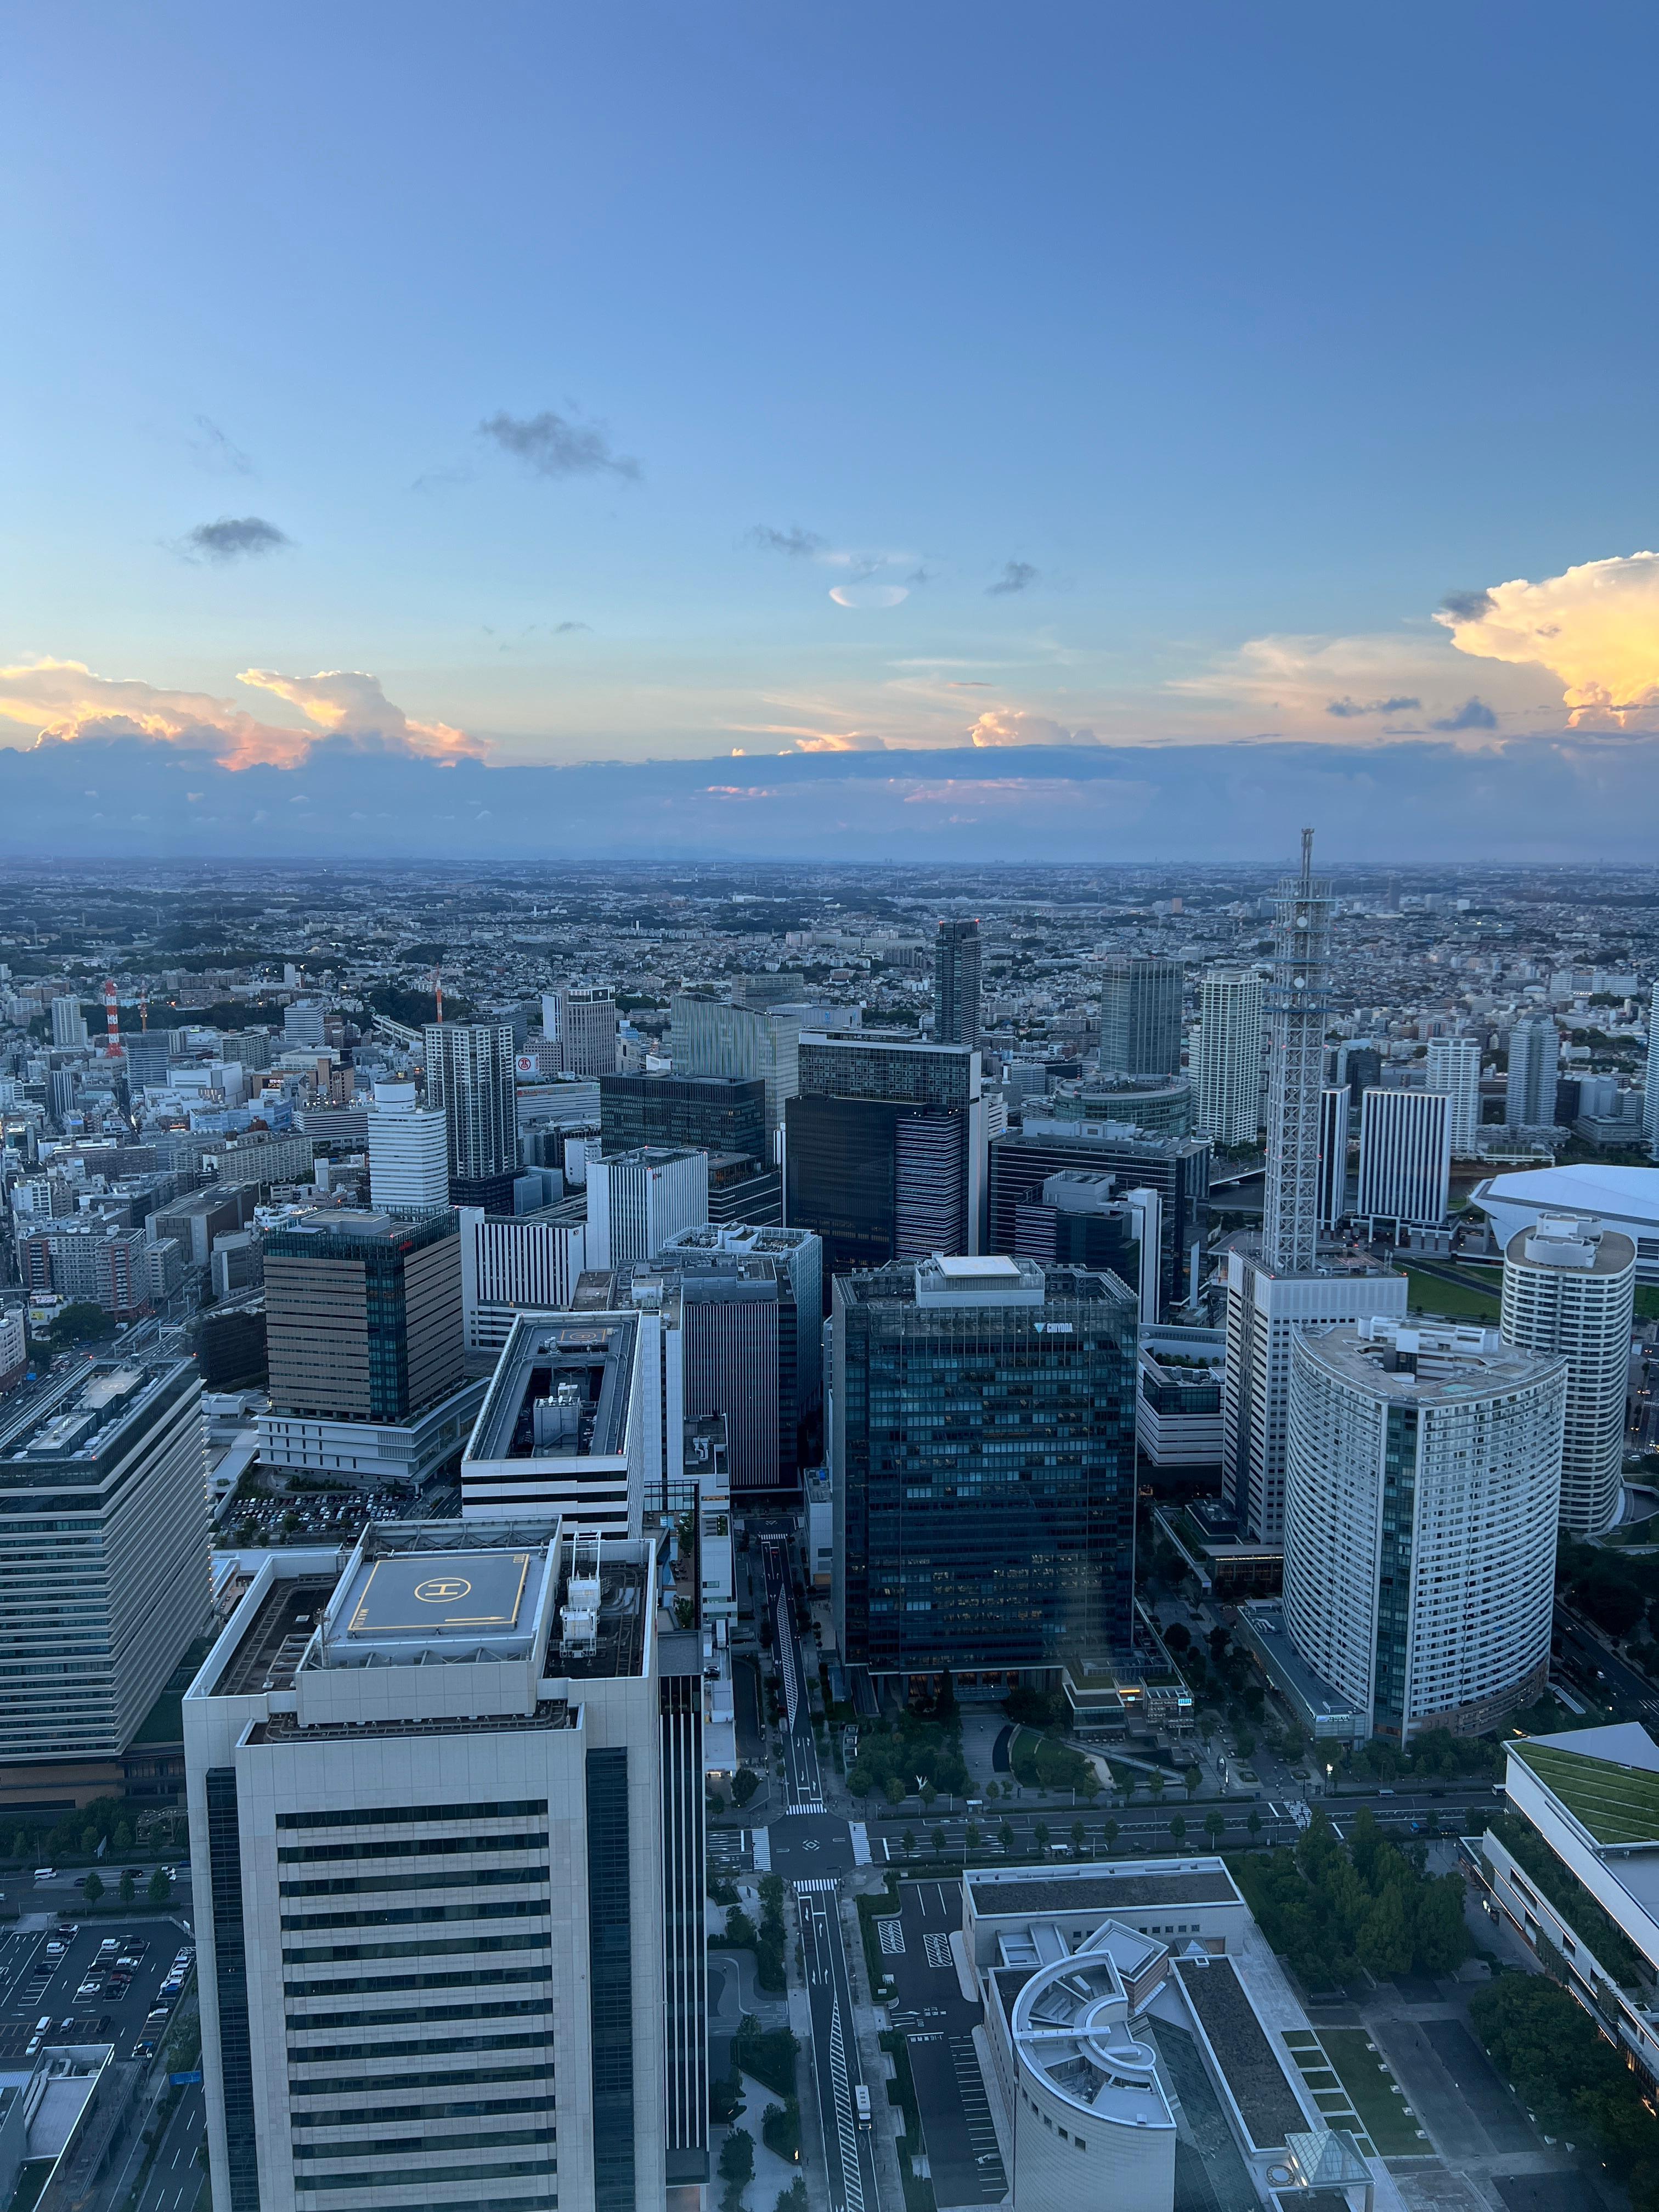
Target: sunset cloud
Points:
(1595, 627)
(65, 703)
(1006, 726)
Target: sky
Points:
(1168, 421)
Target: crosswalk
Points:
(818, 1886)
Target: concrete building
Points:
(104, 1561)
(1535, 1056)
(1622, 1198)
(1650, 1094)
(1009, 1551)
(1422, 1493)
(707, 1037)
(565, 1426)
(1176, 1168)
(1454, 1068)
(1078, 1218)
(408, 1153)
(579, 1022)
(1139, 1015)
(14, 1348)
(1569, 1288)
(1230, 1063)
(363, 1334)
(1333, 1156)
(886, 1148)
(469, 1079)
(637, 1201)
(527, 1262)
(1404, 1157)
(261, 1161)
(712, 1113)
(1178, 1404)
(446, 1813)
(955, 984)
(68, 1025)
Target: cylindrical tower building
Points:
(1569, 1287)
(1422, 1492)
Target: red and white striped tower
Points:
(112, 1021)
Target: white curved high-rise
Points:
(1569, 1287)
(1230, 1063)
(1422, 1493)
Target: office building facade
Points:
(104, 1560)
(955, 984)
(1404, 1157)
(408, 1153)
(579, 1022)
(983, 1450)
(1333, 1157)
(1454, 1068)
(515, 1264)
(1534, 1059)
(469, 1079)
(1422, 1492)
(1139, 1015)
(1570, 1289)
(708, 1038)
(1230, 1063)
(636, 1201)
(714, 1113)
(1176, 1168)
(885, 1153)
(445, 1855)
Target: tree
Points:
(1111, 1831)
(781, 2130)
(937, 1839)
(1006, 1838)
(971, 1836)
(1215, 1826)
(1077, 1836)
(1040, 1836)
(909, 1840)
(737, 2166)
(1442, 1938)
(726, 2099)
(160, 1887)
(744, 1784)
(1385, 1939)
(1253, 1823)
(1178, 1829)
(1155, 1783)
(93, 1889)
(127, 1889)
(794, 2198)
(1191, 1778)
(80, 1323)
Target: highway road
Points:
(176, 2177)
(848, 2150)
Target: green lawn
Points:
(1371, 2087)
(1432, 1294)
(1616, 1804)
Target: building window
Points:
(611, 1980)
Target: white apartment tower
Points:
(408, 1153)
(1650, 1096)
(1229, 1055)
(1423, 1477)
(1405, 1157)
(581, 1022)
(1454, 1068)
(1569, 1287)
(1276, 1285)
(446, 1821)
(637, 1201)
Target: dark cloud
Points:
(1468, 606)
(233, 537)
(217, 453)
(1473, 714)
(1345, 709)
(551, 445)
(794, 541)
(922, 575)
(561, 629)
(1016, 576)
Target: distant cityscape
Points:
(647, 1516)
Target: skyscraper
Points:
(1229, 1055)
(708, 1038)
(636, 1201)
(104, 1564)
(886, 1156)
(718, 1113)
(1139, 1015)
(1650, 1094)
(1333, 1157)
(1422, 1489)
(580, 1022)
(1534, 1053)
(469, 1074)
(1176, 1168)
(408, 1152)
(1276, 1285)
(565, 1426)
(446, 1812)
(1569, 1287)
(1454, 1068)
(1405, 1157)
(1008, 1549)
(955, 984)
(69, 1023)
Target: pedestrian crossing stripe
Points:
(817, 1886)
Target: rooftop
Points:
(560, 1390)
(1097, 1889)
(1616, 1804)
(1424, 1366)
(74, 1425)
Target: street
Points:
(177, 2177)
(848, 2150)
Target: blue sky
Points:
(1228, 341)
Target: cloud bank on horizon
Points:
(1595, 626)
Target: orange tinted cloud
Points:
(1595, 626)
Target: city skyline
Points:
(1088, 492)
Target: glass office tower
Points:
(983, 1453)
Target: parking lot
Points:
(36, 1987)
(938, 2023)
(312, 1517)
